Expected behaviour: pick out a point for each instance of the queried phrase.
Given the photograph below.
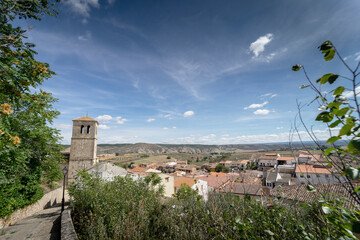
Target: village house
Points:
(107, 171)
(278, 179)
(316, 174)
(197, 184)
(188, 169)
(169, 184)
(267, 161)
(309, 158)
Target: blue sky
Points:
(208, 72)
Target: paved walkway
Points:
(43, 225)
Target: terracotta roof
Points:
(314, 157)
(138, 169)
(244, 161)
(311, 169)
(240, 188)
(85, 119)
(184, 180)
(271, 154)
(268, 157)
(216, 181)
(286, 158)
(325, 190)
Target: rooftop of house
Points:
(249, 178)
(216, 181)
(268, 157)
(138, 169)
(109, 168)
(244, 161)
(271, 154)
(326, 190)
(311, 169)
(286, 158)
(244, 189)
(184, 180)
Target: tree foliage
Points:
(29, 148)
(340, 112)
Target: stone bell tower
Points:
(83, 145)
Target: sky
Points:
(192, 72)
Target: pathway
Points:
(44, 225)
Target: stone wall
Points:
(67, 226)
(48, 200)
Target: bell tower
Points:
(83, 145)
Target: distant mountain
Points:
(194, 148)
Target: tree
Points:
(340, 111)
(29, 147)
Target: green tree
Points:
(340, 109)
(29, 148)
(187, 193)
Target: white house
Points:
(107, 171)
(316, 174)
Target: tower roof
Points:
(85, 119)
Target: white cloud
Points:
(350, 94)
(150, 120)
(188, 113)
(357, 56)
(270, 95)
(104, 118)
(278, 128)
(82, 7)
(258, 46)
(85, 37)
(174, 127)
(261, 112)
(257, 105)
(103, 126)
(168, 116)
(120, 120)
(165, 128)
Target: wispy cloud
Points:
(258, 46)
(82, 7)
(256, 105)
(120, 120)
(150, 119)
(103, 127)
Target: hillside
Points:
(192, 148)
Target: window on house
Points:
(317, 175)
(88, 130)
(167, 179)
(82, 129)
(326, 176)
(308, 176)
(301, 175)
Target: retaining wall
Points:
(49, 199)
(67, 226)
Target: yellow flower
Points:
(1, 132)
(5, 109)
(15, 140)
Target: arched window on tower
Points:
(82, 129)
(88, 130)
